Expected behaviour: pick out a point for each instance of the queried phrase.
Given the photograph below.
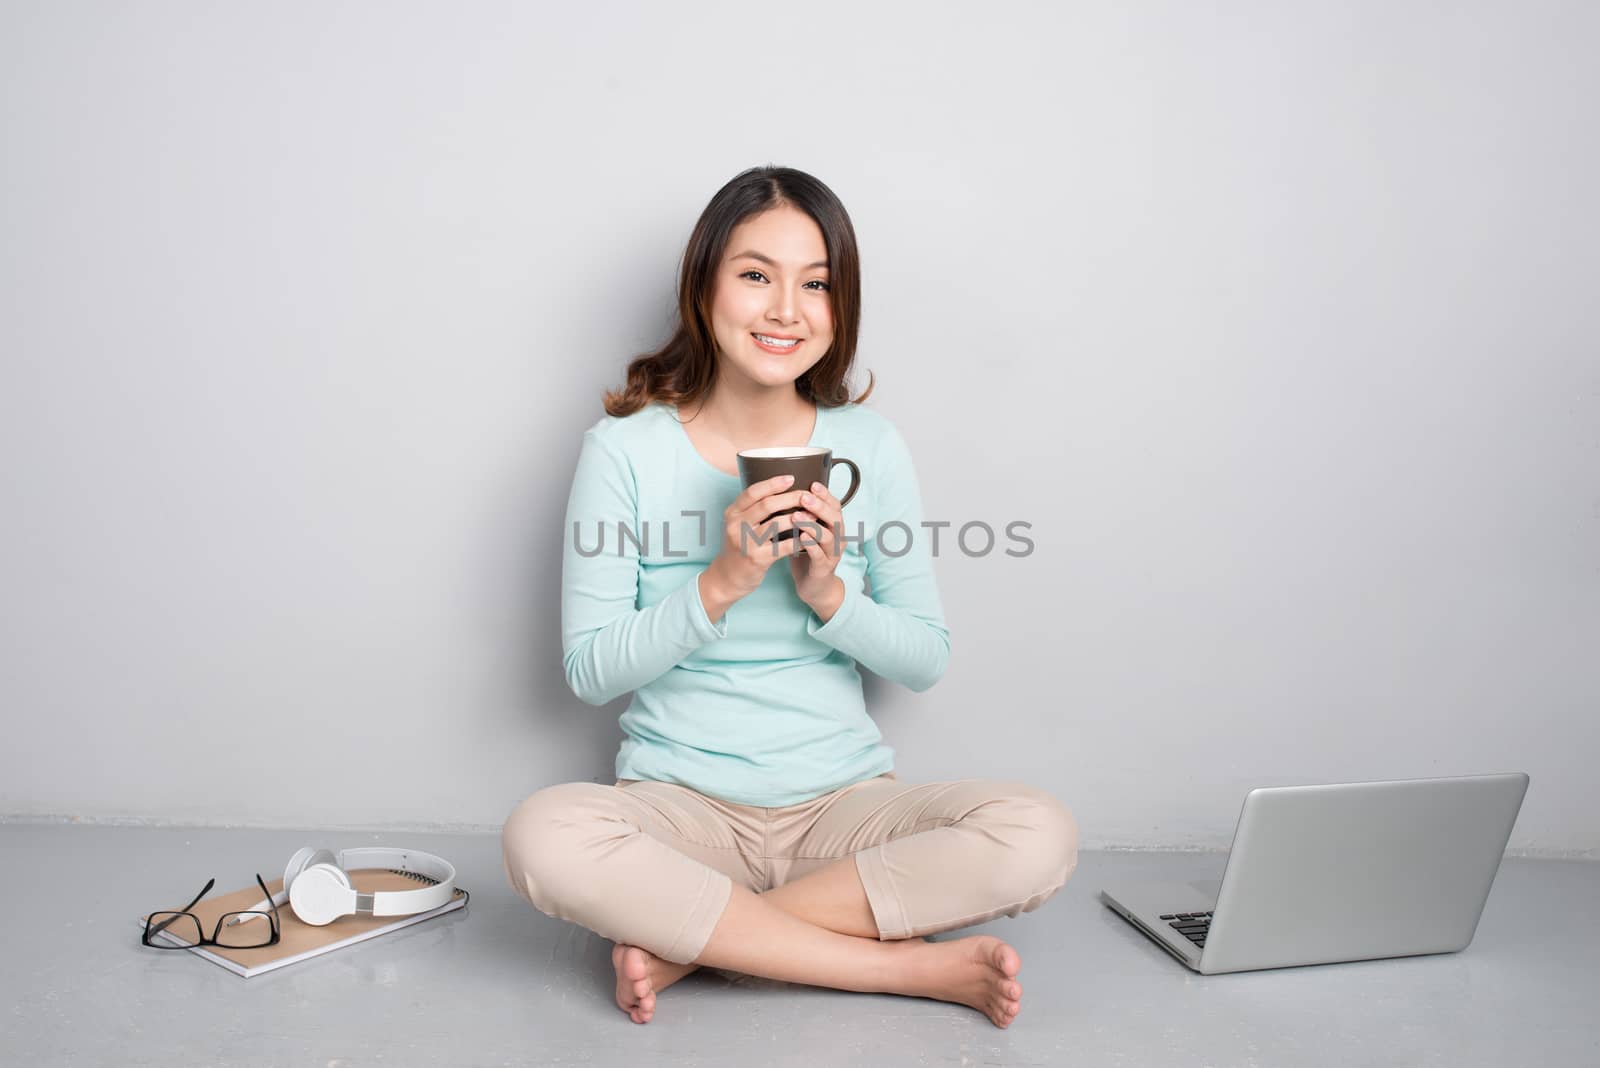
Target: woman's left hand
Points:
(818, 523)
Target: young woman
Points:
(756, 824)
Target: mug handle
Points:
(855, 478)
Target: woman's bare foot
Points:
(637, 971)
(980, 971)
(641, 975)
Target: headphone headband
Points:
(402, 902)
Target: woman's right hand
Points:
(748, 548)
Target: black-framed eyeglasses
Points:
(249, 933)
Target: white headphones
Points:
(316, 884)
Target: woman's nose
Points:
(783, 306)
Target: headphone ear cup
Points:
(321, 894)
(303, 858)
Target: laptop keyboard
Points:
(1192, 925)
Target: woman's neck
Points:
(760, 417)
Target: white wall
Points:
(1277, 323)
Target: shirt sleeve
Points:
(609, 645)
(899, 632)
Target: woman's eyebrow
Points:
(754, 255)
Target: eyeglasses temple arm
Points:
(162, 926)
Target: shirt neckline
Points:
(683, 435)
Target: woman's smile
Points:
(777, 344)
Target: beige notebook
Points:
(296, 940)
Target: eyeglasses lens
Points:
(169, 929)
(254, 929)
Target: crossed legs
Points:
(1003, 849)
(819, 929)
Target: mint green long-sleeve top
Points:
(764, 706)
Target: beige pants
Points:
(652, 864)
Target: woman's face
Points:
(769, 310)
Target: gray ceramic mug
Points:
(807, 463)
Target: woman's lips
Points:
(777, 350)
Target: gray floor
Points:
(499, 983)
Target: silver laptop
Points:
(1338, 872)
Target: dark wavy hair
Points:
(685, 368)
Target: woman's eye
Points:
(822, 287)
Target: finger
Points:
(816, 533)
(766, 540)
(767, 525)
(822, 556)
(788, 521)
(823, 531)
(758, 531)
(757, 490)
(766, 508)
(821, 491)
(826, 509)
(792, 546)
(777, 502)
